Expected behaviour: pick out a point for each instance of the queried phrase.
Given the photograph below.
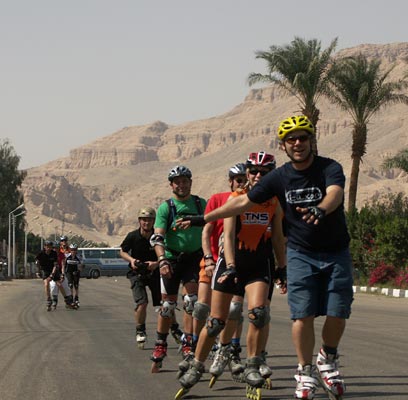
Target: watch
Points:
(208, 257)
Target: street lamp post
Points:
(9, 238)
(14, 216)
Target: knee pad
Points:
(214, 326)
(167, 309)
(71, 285)
(259, 316)
(188, 303)
(235, 311)
(201, 311)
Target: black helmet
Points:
(48, 243)
(179, 170)
(63, 238)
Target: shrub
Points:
(401, 280)
(382, 273)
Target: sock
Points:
(329, 350)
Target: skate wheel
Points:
(212, 381)
(156, 367)
(180, 394)
(239, 378)
(253, 393)
(268, 384)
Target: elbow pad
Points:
(157, 239)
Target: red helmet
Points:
(261, 159)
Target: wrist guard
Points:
(230, 273)
(141, 267)
(196, 220)
(318, 212)
(281, 275)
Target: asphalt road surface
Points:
(90, 354)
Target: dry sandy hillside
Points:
(97, 190)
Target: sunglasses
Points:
(294, 139)
(240, 180)
(255, 171)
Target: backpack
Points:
(173, 211)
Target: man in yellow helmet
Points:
(310, 189)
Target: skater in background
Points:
(72, 267)
(46, 261)
(144, 272)
(311, 191)
(179, 253)
(243, 267)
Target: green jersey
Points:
(179, 240)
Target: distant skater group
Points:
(60, 270)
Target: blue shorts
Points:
(319, 284)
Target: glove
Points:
(281, 276)
(196, 220)
(318, 212)
(230, 273)
(141, 267)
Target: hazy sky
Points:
(76, 70)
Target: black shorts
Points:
(45, 273)
(138, 285)
(185, 269)
(250, 268)
(73, 278)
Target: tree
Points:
(302, 69)
(359, 87)
(400, 160)
(11, 180)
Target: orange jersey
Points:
(253, 224)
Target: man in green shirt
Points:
(179, 253)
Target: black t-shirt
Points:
(138, 247)
(303, 189)
(71, 263)
(47, 261)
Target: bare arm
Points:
(235, 206)
(206, 245)
(229, 240)
(278, 239)
(127, 257)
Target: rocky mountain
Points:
(97, 190)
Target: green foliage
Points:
(379, 235)
(11, 180)
(400, 160)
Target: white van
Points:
(102, 261)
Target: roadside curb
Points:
(378, 290)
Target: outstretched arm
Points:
(235, 206)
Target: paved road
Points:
(89, 354)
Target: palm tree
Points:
(359, 87)
(400, 160)
(301, 68)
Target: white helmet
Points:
(146, 212)
(237, 169)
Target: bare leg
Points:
(304, 339)
(333, 330)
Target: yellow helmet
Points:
(296, 123)
(147, 212)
